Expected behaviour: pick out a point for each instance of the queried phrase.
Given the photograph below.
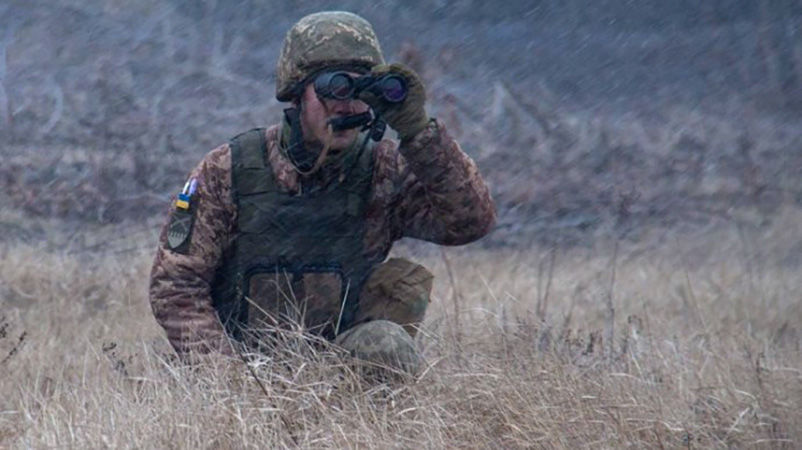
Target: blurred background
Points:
(586, 117)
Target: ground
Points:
(706, 351)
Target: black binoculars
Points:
(341, 85)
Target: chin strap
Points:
(303, 161)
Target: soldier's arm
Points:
(180, 279)
(443, 198)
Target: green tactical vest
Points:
(295, 258)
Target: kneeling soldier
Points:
(293, 223)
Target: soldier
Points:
(293, 223)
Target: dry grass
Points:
(707, 353)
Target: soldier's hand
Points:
(409, 117)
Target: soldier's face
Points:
(316, 113)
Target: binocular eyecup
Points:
(340, 85)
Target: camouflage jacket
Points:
(426, 189)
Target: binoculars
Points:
(341, 85)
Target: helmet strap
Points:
(303, 161)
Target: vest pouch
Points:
(311, 299)
(271, 299)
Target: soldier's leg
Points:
(392, 304)
(398, 290)
(384, 344)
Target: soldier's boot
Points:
(384, 345)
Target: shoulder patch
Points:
(182, 218)
(179, 230)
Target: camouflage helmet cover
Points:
(331, 38)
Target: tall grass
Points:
(707, 352)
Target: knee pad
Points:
(384, 343)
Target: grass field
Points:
(671, 125)
(706, 351)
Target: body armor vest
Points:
(296, 258)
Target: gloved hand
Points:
(409, 117)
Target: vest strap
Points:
(252, 139)
(250, 171)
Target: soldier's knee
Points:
(383, 343)
(398, 290)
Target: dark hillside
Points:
(582, 114)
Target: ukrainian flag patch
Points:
(184, 197)
(182, 201)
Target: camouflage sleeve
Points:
(443, 198)
(180, 280)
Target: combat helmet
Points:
(325, 39)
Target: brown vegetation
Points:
(707, 352)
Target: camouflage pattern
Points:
(426, 189)
(398, 290)
(383, 343)
(326, 39)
